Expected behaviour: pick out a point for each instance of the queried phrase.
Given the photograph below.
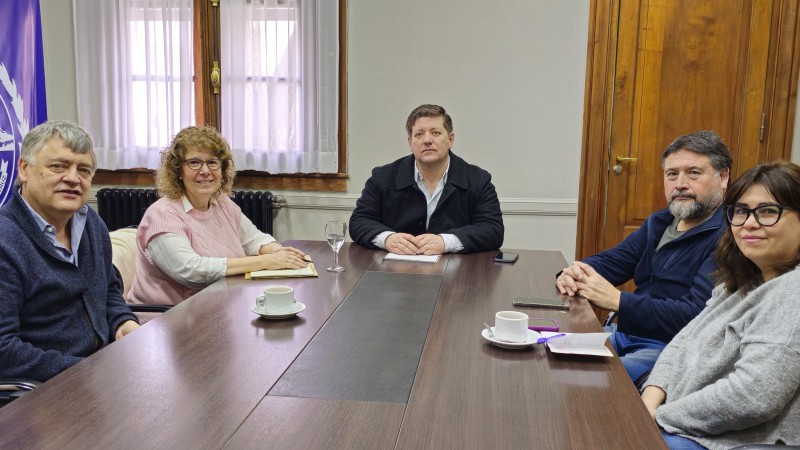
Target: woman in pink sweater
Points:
(194, 235)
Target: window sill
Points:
(248, 179)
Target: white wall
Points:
(58, 35)
(511, 77)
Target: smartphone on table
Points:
(556, 303)
(541, 324)
(506, 257)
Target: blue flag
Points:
(22, 97)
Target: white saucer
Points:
(279, 315)
(532, 337)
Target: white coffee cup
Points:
(511, 326)
(276, 299)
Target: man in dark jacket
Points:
(430, 202)
(60, 298)
(670, 257)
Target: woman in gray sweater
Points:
(731, 376)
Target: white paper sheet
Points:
(413, 258)
(579, 343)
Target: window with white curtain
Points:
(161, 85)
(134, 77)
(279, 84)
(279, 93)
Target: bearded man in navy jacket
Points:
(60, 297)
(670, 257)
(430, 202)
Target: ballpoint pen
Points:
(542, 340)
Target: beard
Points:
(696, 208)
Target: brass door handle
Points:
(617, 169)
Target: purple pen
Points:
(542, 340)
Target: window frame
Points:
(207, 106)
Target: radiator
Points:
(257, 206)
(120, 208)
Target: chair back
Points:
(13, 388)
(123, 256)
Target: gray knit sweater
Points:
(732, 374)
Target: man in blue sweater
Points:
(670, 257)
(60, 298)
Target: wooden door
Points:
(661, 68)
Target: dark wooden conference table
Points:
(386, 355)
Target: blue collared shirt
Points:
(77, 223)
(431, 199)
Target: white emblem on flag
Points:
(10, 139)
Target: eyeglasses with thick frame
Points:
(197, 164)
(766, 215)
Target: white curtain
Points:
(279, 64)
(134, 70)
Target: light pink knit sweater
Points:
(213, 233)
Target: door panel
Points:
(684, 74)
(657, 69)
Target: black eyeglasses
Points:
(767, 215)
(197, 164)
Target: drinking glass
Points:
(335, 232)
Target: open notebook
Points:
(308, 271)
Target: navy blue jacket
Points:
(53, 313)
(672, 284)
(467, 208)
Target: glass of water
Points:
(334, 233)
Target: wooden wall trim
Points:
(779, 105)
(781, 93)
(205, 41)
(596, 130)
(342, 87)
(302, 182)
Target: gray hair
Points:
(707, 143)
(73, 137)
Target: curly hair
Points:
(168, 175)
(782, 180)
